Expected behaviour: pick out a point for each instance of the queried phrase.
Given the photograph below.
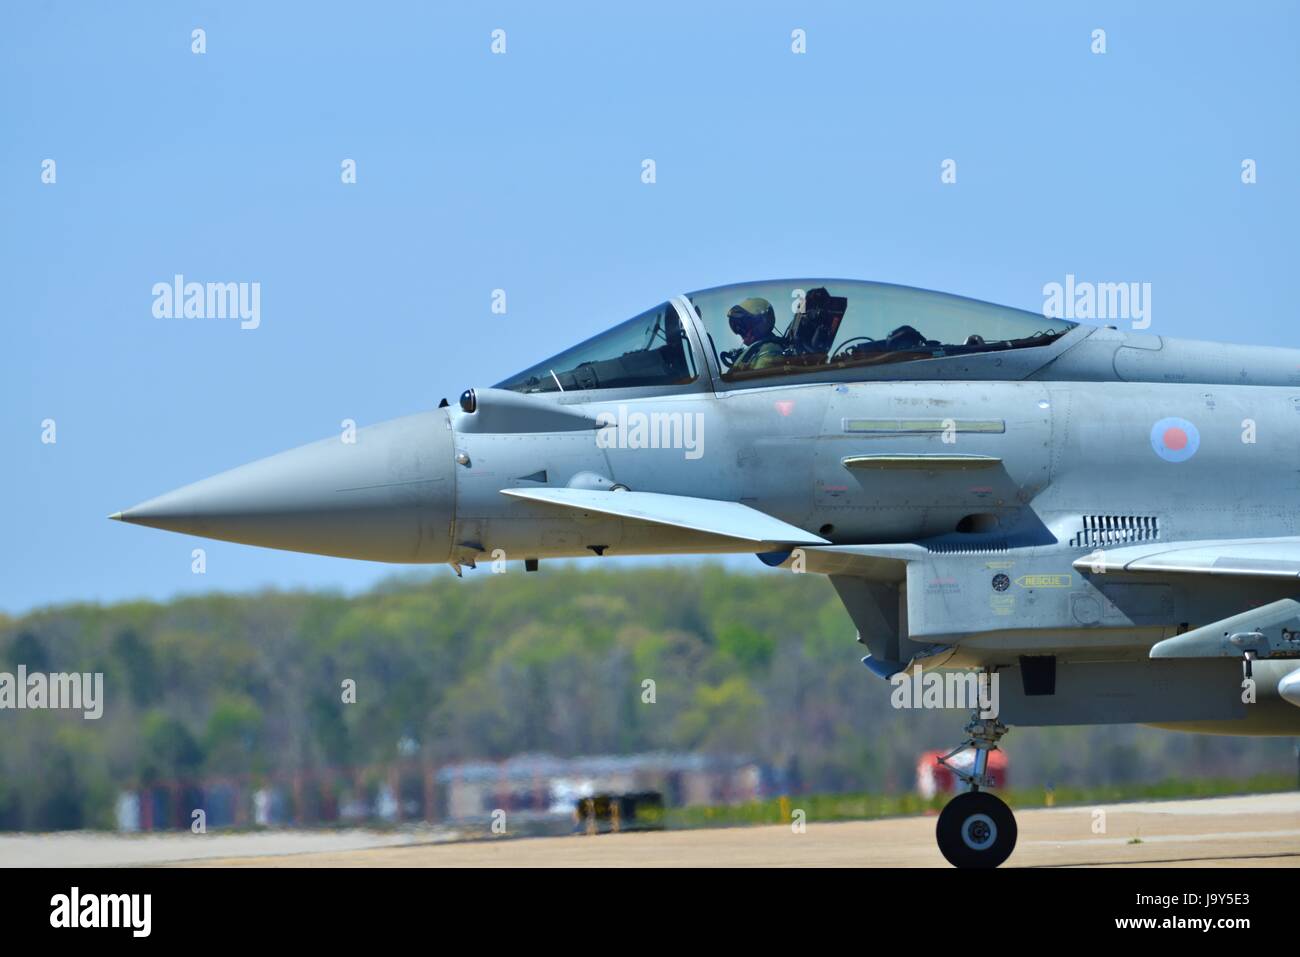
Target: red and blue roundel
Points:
(1175, 440)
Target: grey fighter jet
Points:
(1104, 523)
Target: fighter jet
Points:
(1103, 522)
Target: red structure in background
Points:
(934, 778)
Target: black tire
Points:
(976, 829)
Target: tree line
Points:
(566, 660)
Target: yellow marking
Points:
(1002, 604)
(924, 425)
(1043, 581)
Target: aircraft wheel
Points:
(976, 829)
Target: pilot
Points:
(754, 321)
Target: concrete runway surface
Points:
(1262, 830)
(1256, 831)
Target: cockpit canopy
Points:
(833, 324)
(790, 327)
(651, 349)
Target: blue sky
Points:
(523, 172)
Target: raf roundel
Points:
(1174, 439)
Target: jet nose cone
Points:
(388, 496)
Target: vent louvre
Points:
(957, 548)
(1115, 530)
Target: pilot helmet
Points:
(754, 317)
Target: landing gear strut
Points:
(976, 829)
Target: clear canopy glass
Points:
(651, 349)
(792, 327)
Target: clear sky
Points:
(523, 171)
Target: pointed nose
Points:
(388, 496)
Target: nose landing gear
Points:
(976, 829)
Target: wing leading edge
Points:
(725, 519)
(1247, 557)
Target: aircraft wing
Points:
(727, 519)
(1244, 557)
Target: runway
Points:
(1256, 831)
